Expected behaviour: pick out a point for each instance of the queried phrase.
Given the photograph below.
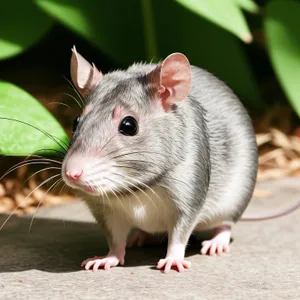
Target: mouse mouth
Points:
(90, 175)
(83, 186)
(89, 188)
(95, 176)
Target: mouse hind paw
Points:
(219, 244)
(141, 238)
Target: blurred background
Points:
(254, 46)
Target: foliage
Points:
(20, 115)
(213, 10)
(152, 29)
(22, 24)
(212, 33)
(283, 36)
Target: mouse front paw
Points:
(167, 263)
(97, 262)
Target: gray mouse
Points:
(161, 148)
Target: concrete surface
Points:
(264, 262)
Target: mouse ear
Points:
(172, 79)
(84, 75)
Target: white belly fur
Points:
(150, 210)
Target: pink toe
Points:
(187, 264)
(160, 264)
(96, 266)
(220, 249)
(212, 250)
(204, 243)
(88, 265)
(168, 266)
(205, 248)
(179, 266)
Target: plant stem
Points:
(149, 31)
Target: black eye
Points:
(128, 126)
(75, 123)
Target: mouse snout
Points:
(88, 173)
(73, 168)
(74, 174)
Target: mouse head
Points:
(125, 137)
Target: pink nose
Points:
(74, 174)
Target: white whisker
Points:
(63, 187)
(44, 182)
(52, 186)
(79, 104)
(75, 90)
(142, 191)
(45, 169)
(56, 102)
(23, 165)
(128, 190)
(107, 143)
(115, 194)
(27, 162)
(47, 159)
(121, 203)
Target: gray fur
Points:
(203, 152)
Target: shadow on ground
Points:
(264, 262)
(60, 246)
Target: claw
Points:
(219, 244)
(101, 261)
(168, 263)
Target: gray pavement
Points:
(264, 262)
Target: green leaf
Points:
(149, 30)
(225, 13)
(283, 41)
(114, 26)
(154, 28)
(207, 46)
(21, 25)
(248, 5)
(19, 138)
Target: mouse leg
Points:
(142, 238)
(174, 258)
(177, 241)
(219, 244)
(116, 231)
(182, 221)
(138, 238)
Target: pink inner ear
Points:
(172, 79)
(176, 78)
(84, 75)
